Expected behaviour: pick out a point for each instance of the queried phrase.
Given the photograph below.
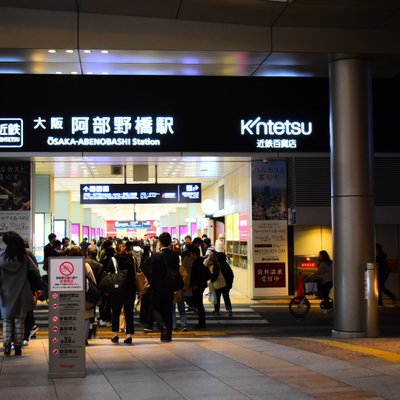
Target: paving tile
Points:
(28, 392)
(234, 368)
(353, 373)
(156, 390)
(87, 392)
(373, 381)
(355, 395)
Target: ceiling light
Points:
(74, 73)
(89, 73)
(69, 51)
(51, 51)
(87, 51)
(104, 52)
(105, 73)
(58, 72)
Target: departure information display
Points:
(140, 193)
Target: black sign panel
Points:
(113, 114)
(140, 193)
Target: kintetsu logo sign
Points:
(11, 132)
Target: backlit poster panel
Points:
(269, 214)
(15, 199)
(244, 226)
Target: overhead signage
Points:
(84, 131)
(140, 193)
(57, 114)
(132, 224)
(287, 132)
(67, 317)
(11, 132)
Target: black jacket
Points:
(226, 270)
(200, 274)
(159, 271)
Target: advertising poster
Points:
(244, 226)
(269, 214)
(15, 198)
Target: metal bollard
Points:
(371, 295)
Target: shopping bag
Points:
(220, 282)
(212, 296)
(142, 284)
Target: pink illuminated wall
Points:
(193, 229)
(86, 232)
(183, 231)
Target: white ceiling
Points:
(197, 37)
(69, 173)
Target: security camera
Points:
(265, 161)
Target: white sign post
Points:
(67, 317)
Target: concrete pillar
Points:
(43, 189)
(44, 194)
(352, 191)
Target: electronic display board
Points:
(140, 193)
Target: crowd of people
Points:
(197, 261)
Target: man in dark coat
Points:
(163, 295)
(48, 250)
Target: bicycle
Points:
(299, 305)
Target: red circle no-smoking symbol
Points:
(67, 268)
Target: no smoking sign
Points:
(67, 268)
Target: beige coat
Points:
(89, 307)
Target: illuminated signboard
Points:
(140, 193)
(132, 224)
(48, 114)
(11, 132)
(308, 264)
(275, 134)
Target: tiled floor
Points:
(238, 367)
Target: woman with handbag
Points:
(125, 295)
(16, 298)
